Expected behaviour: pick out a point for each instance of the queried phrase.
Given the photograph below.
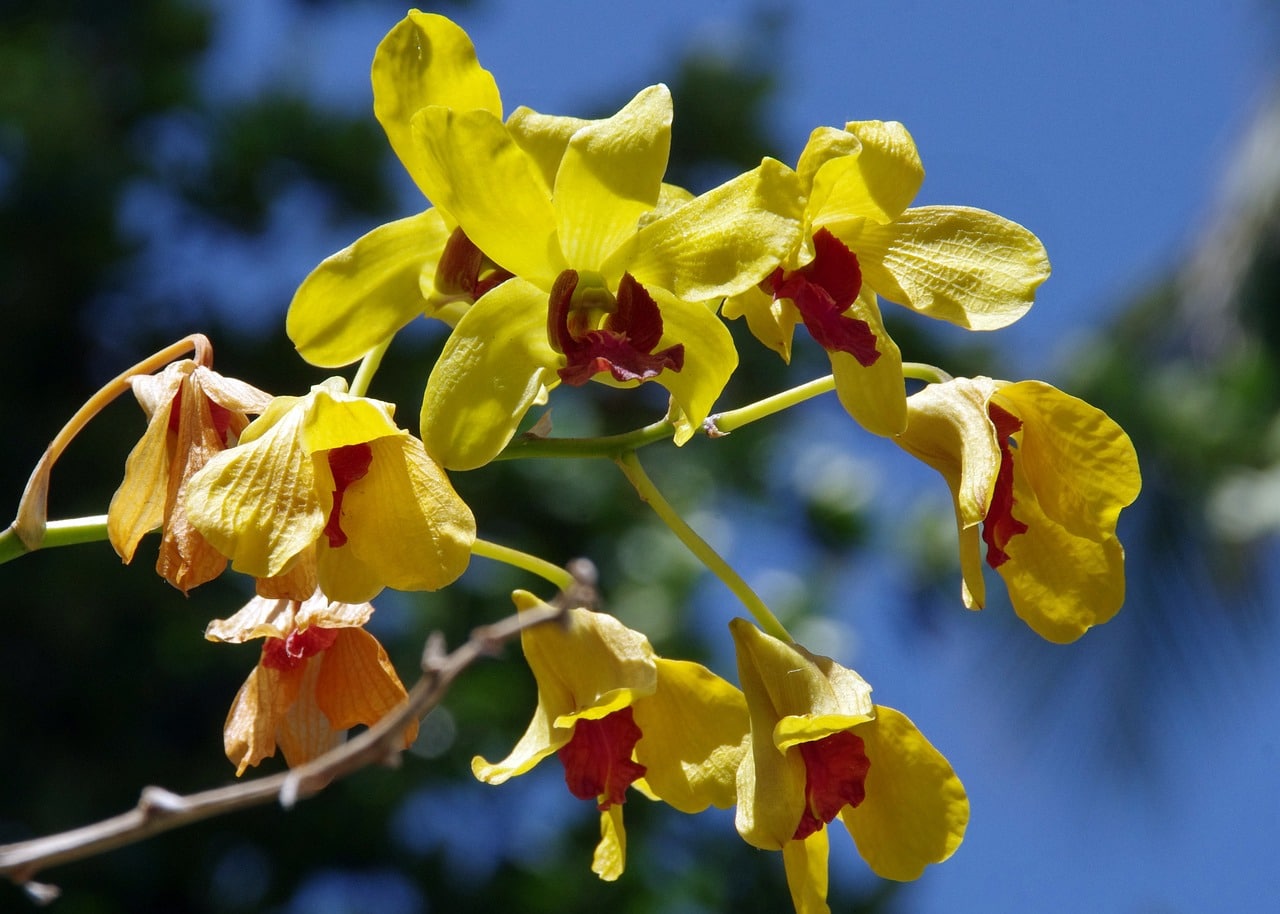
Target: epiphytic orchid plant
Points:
(556, 254)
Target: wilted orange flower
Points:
(193, 413)
(320, 674)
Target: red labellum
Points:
(288, 653)
(1000, 525)
(835, 774)
(464, 268)
(348, 464)
(597, 760)
(822, 291)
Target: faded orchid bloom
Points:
(361, 296)
(862, 240)
(611, 270)
(192, 413)
(330, 474)
(617, 715)
(319, 675)
(819, 748)
(1045, 475)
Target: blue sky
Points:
(1102, 127)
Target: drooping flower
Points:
(331, 473)
(320, 674)
(1044, 475)
(862, 240)
(617, 715)
(361, 296)
(192, 413)
(819, 748)
(612, 271)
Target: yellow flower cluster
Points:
(556, 253)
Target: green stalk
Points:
(648, 492)
(556, 575)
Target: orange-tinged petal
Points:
(426, 59)
(259, 618)
(915, 810)
(357, 683)
(303, 732)
(958, 264)
(137, 507)
(611, 175)
(473, 169)
(806, 866)
(694, 728)
(249, 734)
(361, 296)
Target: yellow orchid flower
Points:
(617, 715)
(332, 472)
(361, 296)
(611, 269)
(192, 413)
(1045, 475)
(959, 264)
(819, 749)
(319, 675)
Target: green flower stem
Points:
(56, 533)
(609, 446)
(921, 371)
(526, 562)
(648, 492)
(368, 368)
(726, 422)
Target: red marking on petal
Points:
(835, 775)
(463, 268)
(597, 760)
(623, 346)
(1000, 526)
(288, 653)
(822, 291)
(348, 464)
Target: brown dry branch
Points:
(159, 810)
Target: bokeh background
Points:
(172, 165)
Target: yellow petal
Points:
(544, 138)
(333, 419)
(967, 266)
(806, 865)
(359, 297)
(256, 503)
(611, 853)
(874, 395)
(721, 242)
(426, 59)
(357, 683)
(694, 730)
(495, 365)
(915, 811)
(709, 357)
(1078, 461)
(137, 507)
(473, 169)
(1060, 584)
(540, 739)
(875, 183)
(610, 176)
(771, 320)
(404, 520)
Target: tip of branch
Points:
(41, 892)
